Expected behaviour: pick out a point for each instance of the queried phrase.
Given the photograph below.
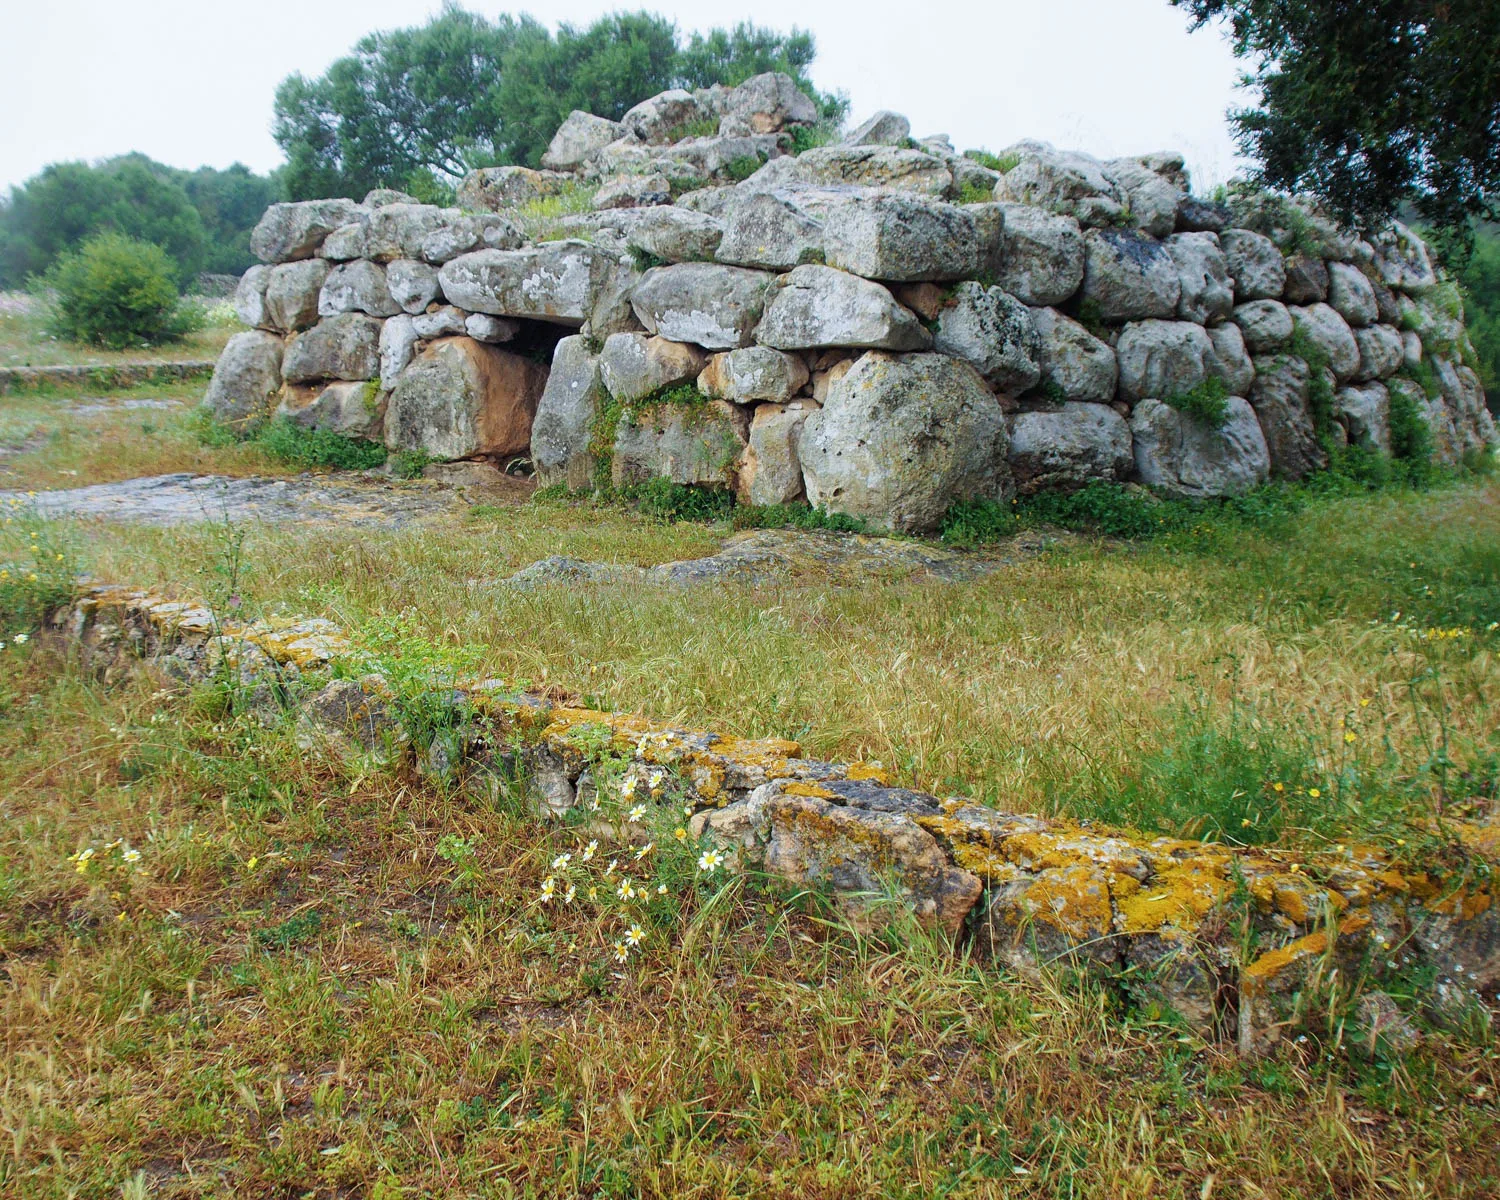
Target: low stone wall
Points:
(19, 379)
(1238, 941)
(881, 326)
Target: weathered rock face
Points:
(661, 118)
(343, 347)
(1256, 265)
(773, 229)
(412, 285)
(1181, 456)
(635, 365)
(1207, 294)
(754, 373)
(1266, 324)
(565, 415)
(250, 296)
(1381, 351)
(1062, 182)
(771, 471)
(1232, 362)
(1306, 280)
(675, 235)
(1128, 277)
(1066, 448)
(1364, 411)
(292, 292)
(246, 379)
(1331, 334)
(812, 307)
(1075, 365)
(1043, 258)
(634, 191)
(713, 306)
(578, 139)
(446, 321)
(766, 103)
(697, 444)
(500, 188)
(400, 230)
(885, 128)
(355, 410)
(860, 166)
(902, 437)
(551, 282)
(1351, 295)
(993, 331)
(1280, 400)
(901, 238)
(357, 286)
(1151, 199)
(462, 232)
(1160, 359)
(290, 231)
(459, 398)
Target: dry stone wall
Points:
(880, 326)
(1238, 940)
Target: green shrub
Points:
(973, 522)
(318, 447)
(810, 137)
(38, 569)
(975, 193)
(1005, 163)
(741, 168)
(1207, 403)
(409, 464)
(667, 501)
(117, 292)
(794, 516)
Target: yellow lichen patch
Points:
(1483, 840)
(1266, 969)
(1074, 900)
(1294, 896)
(1465, 904)
(813, 790)
(970, 849)
(1179, 895)
(872, 772)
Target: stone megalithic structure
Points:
(879, 326)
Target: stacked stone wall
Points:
(880, 326)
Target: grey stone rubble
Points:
(1014, 890)
(878, 262)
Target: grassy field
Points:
(24, 341)
(323, 980)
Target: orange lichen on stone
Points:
(970, 848)
(1464, 903)
(1265, 970)
(813, 790)
(1179, 895)
(872, 772)
(1074, 900)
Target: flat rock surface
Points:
(769, 556)
(184, 498)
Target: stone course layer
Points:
(1237, 940)
(1052, 282)
(17, 379)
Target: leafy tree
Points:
(1370, 104)
(117, 291)
(417, 108)
(1480, 277)
(229, 204)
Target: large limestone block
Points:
(1232, 362)
(1266, 324)
(1364, 410)
(688, 162)
(1159, 359)
(1207, 291)
(1075, 365)
(774, 229)
(754, 373)
(551, 282)
(250, 296)
(901, 438)
(346, 242)
(634, 365)
(413, 285)
(901, 238)
(290, 231)
(813, 307)
(446, 321)
(989, 231)
(1043, 256)
(292, 291)
(1256, 265)
(1182, 456)
(459, 398)
(462, 232)
(698, 444)
(993, 331)
(246, 379)
(358, 286)
(398, 346)
(578, 139)
(400, 230)
(1151, 199)
(886, 167)
(495, 189)
(1067, 448)
(766, 103)
(1280, 399)
(1129, 277)
(885, 128)
(1062, 182)
(1351, 294)
(675, 235)
(663, 117)
(771, 471)
(565, 416)
(861, 856)
(1381, 351)
(633, 191)
(343, 347)
(1306, 280)
(1404, 261)
(1323, 326)
(713, 306)
(354, 410)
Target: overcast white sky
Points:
(190, 82)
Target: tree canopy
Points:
(1371, 104)
(418, 108)
(200, 219)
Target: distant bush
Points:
(116, 291)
